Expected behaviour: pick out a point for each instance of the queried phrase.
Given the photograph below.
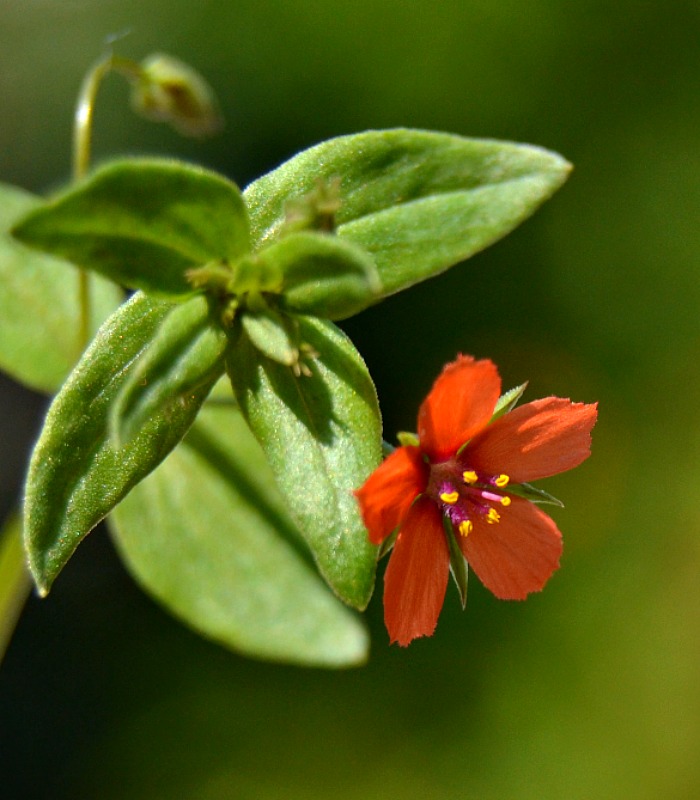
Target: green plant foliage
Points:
(418, 202)
(39, 304)
(323, 275)
(180, 365)
(322, 436)
(77, 475)
(268, 332)
(143, 223)
(222, 554)
(336, 229)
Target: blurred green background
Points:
(589, 690)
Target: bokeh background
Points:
(589, 690)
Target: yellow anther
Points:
(449, 497)
(470, 476)
(501, 481)
(493, 516)
(465, 527)
(505, 501)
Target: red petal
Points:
(416, 578)
(389, 491)
(517, 555)
(459, 405)
(534, 441)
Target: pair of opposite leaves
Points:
(412, 204)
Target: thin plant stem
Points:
(15, 581)
(82, 149)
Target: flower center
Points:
(464, 495)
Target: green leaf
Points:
(143, 223)
(77, 475)
(179, 367)
(322, 436)
(208, 535)
(458, 564)
(418, 202)
(267, 332)
(323, 275)
(39, 304)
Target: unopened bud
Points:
(316, 210)
(168, 90)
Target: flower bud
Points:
(168, 90)
(316, 210)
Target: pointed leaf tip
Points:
(76, 475)
(322, 436)
(417, 201)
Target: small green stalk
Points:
(82, 141)
(84, 112)
(15, 581)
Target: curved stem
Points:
(82, 147)
(15, 580)
(85, 108)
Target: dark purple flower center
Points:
(463, 494)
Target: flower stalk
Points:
(15, 581)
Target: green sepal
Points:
(40, 328)
(314, 211)
(255, 275)
(323, 275)
(408, 439)
(458, 563)
(268, 333)
(387, 545)
(181, 364)
(533, 494)
(76, 474)
(508, 401)
(418, 202)
(322, 436)
(143, 223)
(208, 535)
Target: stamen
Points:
(470, 476)
(493, 516)
(505, 500)
(501, 481)
(449, 497)
(465, 527)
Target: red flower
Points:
(468, 471)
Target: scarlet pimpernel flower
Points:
(463, 480)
